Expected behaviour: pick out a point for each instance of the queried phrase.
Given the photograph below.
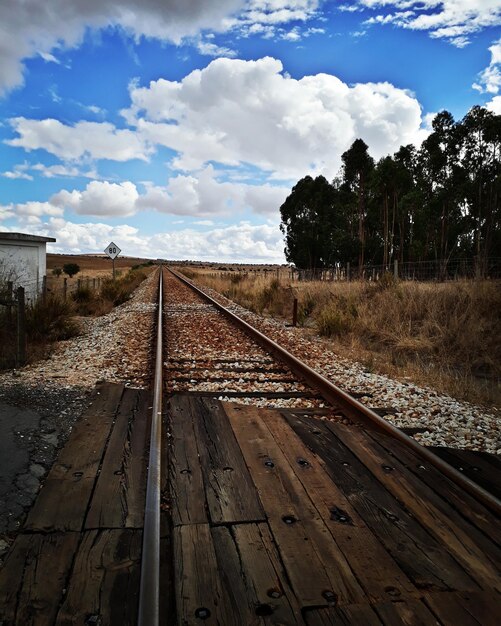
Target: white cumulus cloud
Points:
(98, 140)
(203, 195)
(236, 111)
(100, 198)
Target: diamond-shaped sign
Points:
(112, 250)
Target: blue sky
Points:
(178, 129)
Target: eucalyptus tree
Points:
(357, 168)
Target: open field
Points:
(91, 266)
(446, 335)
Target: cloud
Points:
(453, 20)
(494, 105)
(202, 195)
(210, 49)
(100, 198)
(490, 78)
(243, 242)
(236, 111)
(29, 213)
(16, 174)
(98, 140)
(31, 27)
(63, 171)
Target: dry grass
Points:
(445, 335)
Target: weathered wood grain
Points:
(119, 495)
(199, 592)
(313, 561)
(420, 555)
(187, 493)
(466, 609)
(374, 568)
(476, 553)
(104, 582)
(33, 578)
(251, 573)
(230, 492)
(63, 500)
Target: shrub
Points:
(71, 269)
(50, 320)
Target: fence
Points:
(441, 270)
(13, 325)
(14, 301)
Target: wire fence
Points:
(441, 270)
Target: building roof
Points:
(24, 237)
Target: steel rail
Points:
(149, 592)
(349, 405)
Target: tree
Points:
(71, 269)
(358, 165)
(308, 222)
(57, 271)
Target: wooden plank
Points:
(406, 613)
(199, 593)
(33, 578)
(478, 514)
(475, 465)
(350, 615)
(229, 490)
(472, 549)
(118, 498)
(465, 608)
(104, 584)
(424, 559)
(75, 470)
(374, 568)
(313, 561)
(251, 573)
(187, 493)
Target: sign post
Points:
(112, 250)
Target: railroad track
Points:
(273, 497)
(211, 354)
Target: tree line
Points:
(438, 201)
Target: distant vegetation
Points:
(435, 202)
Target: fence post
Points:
(395, 269)
(65, 289)
(21, 327)
(94, 284)
(10, 286)
(348, 271)
(44, 289)
(294, 313)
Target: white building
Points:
(23, 261)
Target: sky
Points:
(177, 129)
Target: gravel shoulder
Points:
(40, 403)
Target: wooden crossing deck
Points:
(269, 517)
